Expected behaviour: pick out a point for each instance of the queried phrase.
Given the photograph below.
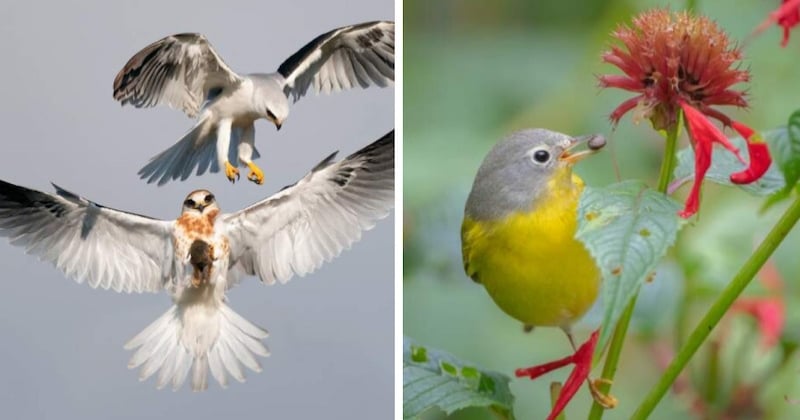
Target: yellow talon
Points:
(256, 175)
(231, 172)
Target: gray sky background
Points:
(331, 333)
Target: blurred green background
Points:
(475, 71)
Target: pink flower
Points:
(667, 58)
(681, 62)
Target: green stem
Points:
(668, 163)
(720, 307)
(712, 373)
(618, 339)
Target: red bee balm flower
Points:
(787, 16)
(681, 62)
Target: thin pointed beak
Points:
(594, 142)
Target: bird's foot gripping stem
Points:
(256, 175)
(231, 172)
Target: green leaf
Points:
(786, 149)
(784, 145)
(724, 163)
(433, 378)
(627, 228)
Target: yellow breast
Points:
(531, 264)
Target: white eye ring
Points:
(540, 155)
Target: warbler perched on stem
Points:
(518, 234)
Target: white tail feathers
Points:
(197, 338)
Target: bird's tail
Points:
(197, 338)
(196, 149)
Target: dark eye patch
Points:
(189, 203)
(271, 115)
(209, 198)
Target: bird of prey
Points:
(185, 72)
(203, 253)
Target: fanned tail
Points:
(197, 338)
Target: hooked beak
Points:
(200, 207)
(278, 124)
(594, 142)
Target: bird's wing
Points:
(179, 70)
(312, 221)
(356, 55)
(106, 248)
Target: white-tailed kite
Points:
(185, 72)
(199, 256)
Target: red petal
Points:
(746, 132)
(621, 82)
(624, 107)
(702, 130)
(624, 61)
(760, 159)
(539, 370)
(770, 315)
(703, 135)
(582, 358)
(702, 161)
(787, 16)
(583, 365)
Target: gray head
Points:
(269, 99)
(517, 169)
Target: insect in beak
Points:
(594, 142)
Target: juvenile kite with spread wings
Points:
(199, 256)
(185, 72)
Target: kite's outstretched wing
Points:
(312, 221)
(106, 248)
(178, 70)
(356, 55)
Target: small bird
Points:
(185, 72)
(518, 233)
(203, 253)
